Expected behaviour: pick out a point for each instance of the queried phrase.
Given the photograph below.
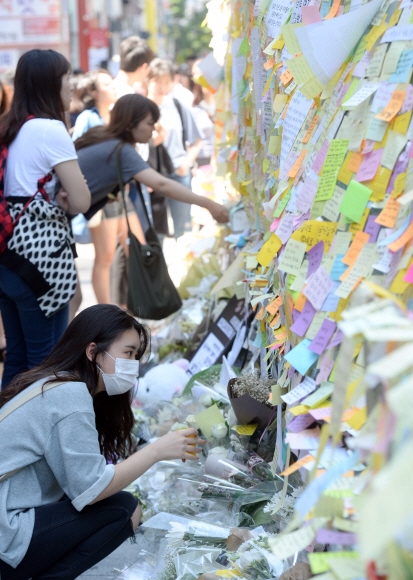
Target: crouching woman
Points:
(64, 425)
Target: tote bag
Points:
(151, 293)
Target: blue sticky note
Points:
(300, 357)
(331, 302)
(338, 268)
(404, 68)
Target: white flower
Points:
(219, 430)
(191, 421)
(206, 400)
(248, 557)
(176, 534)
(221, 451)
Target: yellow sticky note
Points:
(279, 103)
(313, 231)
(299, 410)
(319, 561)
(312, 88)
(274, 145)
(206, 419)
(232, 573)
(358, 419)
(290, 38)
(402, 122)
(300, 69)
(268, 250)
(245, 429)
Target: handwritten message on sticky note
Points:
(300, 423)
(303, 322)
(268, 250)
(355, 201)
(323, 336)
(300, 391)
(318, 288)
(360, 240)
(292, 257)
(315, 256)
(369, 165)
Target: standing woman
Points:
(68, 439)
(37, 273)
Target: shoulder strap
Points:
(181, 114)
(122, 186)
(27, 396)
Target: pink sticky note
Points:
(318, 288)
(300, 423)
(301, 325)
(326, 366)
(319, 160)
(307, 194)
(321, 339)
(333, 537)
(409, 275)
(285, 228)
(315, 255)
(321, 413)
(372, 228)
(310, 14)
(274, 224)
(408, 101)
(369, 165)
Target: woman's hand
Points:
(178, 445)
(218, 212)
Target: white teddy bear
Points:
(162, 383)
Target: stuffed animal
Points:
(161, 383)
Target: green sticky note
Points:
(207, 419)
(282, 205)
(355, 201)
(244, 48)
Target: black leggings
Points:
(66, 543)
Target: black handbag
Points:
(160, 161)
(151, 293)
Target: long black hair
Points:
(37, 86)
(127, 112)
(102, 324)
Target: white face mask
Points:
(124, 377)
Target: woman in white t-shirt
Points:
(37, 274)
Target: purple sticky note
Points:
(333, 537)
(300, 423)
(301, 325)
(372, 228)
(315, 255)
(319, 160)
(369, 165)
(322, 338)
(337, 339)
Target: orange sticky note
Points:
(388, 215)
(402, 241)
(287, 77)
(274, 306)
(298, 162)
(298, 465)
(311, 128)
(269, 64)
(333, 10)
(299, 303)
(360, 240)
(355, 162)
(392, 107)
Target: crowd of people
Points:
(64, 129)
(66, 145)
